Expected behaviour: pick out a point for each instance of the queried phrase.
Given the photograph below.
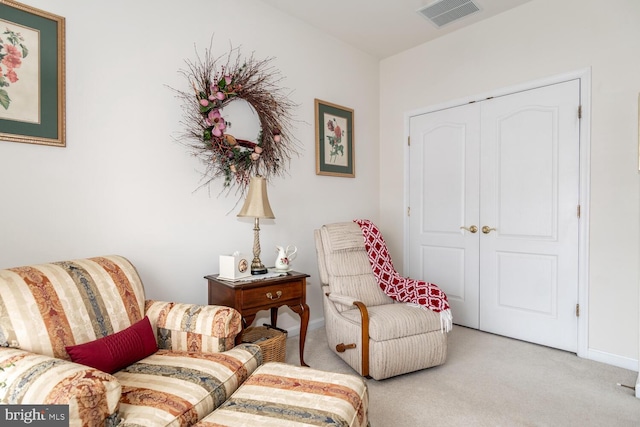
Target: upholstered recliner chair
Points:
(375, 335)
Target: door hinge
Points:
(580, 111)
(577, 310)
(409, 141)
(578, 211)
(408, 211)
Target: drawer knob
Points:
(271, 297)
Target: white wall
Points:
(540, 39)
(123, 185)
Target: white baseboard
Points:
(638, 387)
(613, 359)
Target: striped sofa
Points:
(94, 310)
(278, 395)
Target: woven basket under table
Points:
(272, 342)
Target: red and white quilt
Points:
(402, 289)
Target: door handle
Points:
(486, 229)
(472, 229)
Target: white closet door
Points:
(444, 191)
(530, 195)
(510, 164)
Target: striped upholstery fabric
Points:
(35, 378)
(176, 388)
(44, 308)
(393, 321)
(191, 327)
(402, 338)
(282, 395)
(348, 271)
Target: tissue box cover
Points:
(235, 266)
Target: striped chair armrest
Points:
(93, 396)
(190, 327)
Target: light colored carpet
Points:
(490, 380)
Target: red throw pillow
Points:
(117, 351)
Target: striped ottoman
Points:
(278, 394)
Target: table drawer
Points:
(266, 295)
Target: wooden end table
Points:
(250, 297)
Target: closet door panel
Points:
(444, 196)
(529, 197)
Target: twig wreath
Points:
(207, 132)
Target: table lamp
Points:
(257, 206)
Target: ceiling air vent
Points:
(446, 11)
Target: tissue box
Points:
(235, 266)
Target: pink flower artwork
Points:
(12, 76)
(12, 53)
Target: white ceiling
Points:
(382, 27)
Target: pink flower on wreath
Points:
(215, 119)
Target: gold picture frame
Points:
(32, 75)
(335, 154)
